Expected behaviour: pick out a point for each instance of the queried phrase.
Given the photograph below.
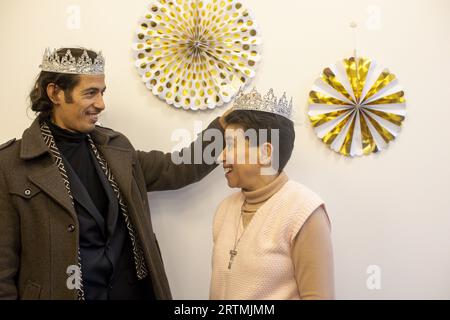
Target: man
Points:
(74, 217)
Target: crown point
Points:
(68, 64)
(254, 102)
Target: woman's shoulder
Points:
(299, 203)
(230, 200)
(297, 189)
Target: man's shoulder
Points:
(106, 130)
(9, 151)
(115, 137)
(7, 144)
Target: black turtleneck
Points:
(75, 148)
(107, 259)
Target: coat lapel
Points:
(45, 175)
(81, 195)
(113, 204)
(121, 163)
(49, 181)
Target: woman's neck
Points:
(269, 185)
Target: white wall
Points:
(391, 210)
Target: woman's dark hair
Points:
(40, 102)
(264, 120)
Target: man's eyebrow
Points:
(93, 89)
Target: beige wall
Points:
(391, 210)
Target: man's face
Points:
(87, 103)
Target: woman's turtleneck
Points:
(74, 147)
(255, 199)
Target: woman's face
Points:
(240, 160)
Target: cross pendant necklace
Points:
(233, 252)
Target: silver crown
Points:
(255, 102)
(51, 62)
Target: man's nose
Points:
(100, 103)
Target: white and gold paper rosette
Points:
(356, 107)
(197, 54)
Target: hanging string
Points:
(354, 26)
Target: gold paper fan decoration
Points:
(356, 107)
(197, 54)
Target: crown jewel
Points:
(255, 102)
(52, 62)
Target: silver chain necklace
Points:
(233, 252)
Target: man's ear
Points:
(265, 153)
(54, 93)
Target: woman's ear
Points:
(54, 93)
(265, 153)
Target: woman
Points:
(272, 238)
